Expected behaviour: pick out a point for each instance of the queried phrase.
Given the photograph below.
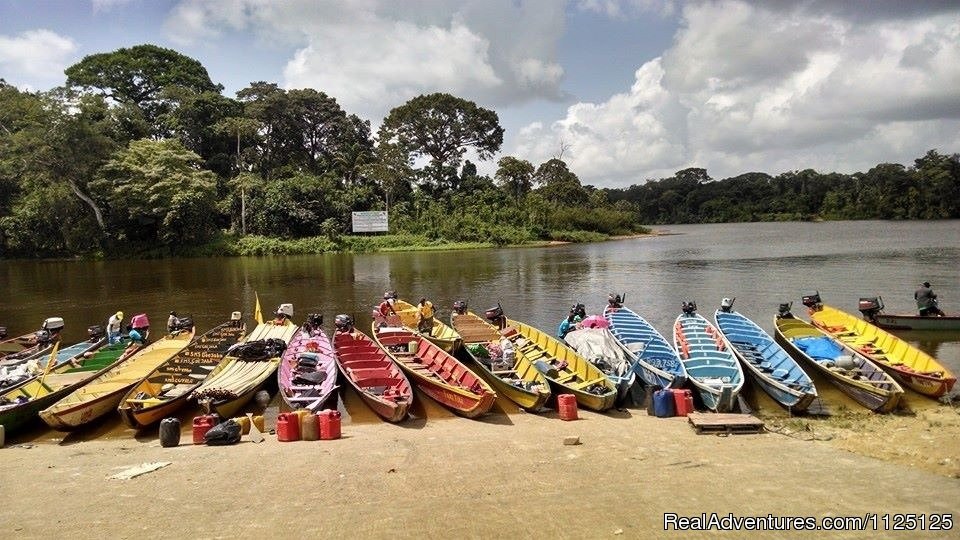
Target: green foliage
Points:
(156, 191)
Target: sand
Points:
(506, 475)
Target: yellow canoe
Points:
(441, 335)
(521, 383)
(103, 394)
(912, 367)
(167, 388)
(235, 381)
(566, 370)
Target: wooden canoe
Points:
(710, 365)
(567, 371)
(21, 405)
(103, 394)
(436, 372)
(658, 363)
(20, 375)
(862, 380)
(518, 381)
(17, 344)
(442, 335)
(771, 367)
(911, 367)
(233, 383)
(26, 347)
(167, 388)
(309, 354)
(373, 374)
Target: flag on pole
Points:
(257, 314)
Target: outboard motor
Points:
(42, 336)
(495, 316)
(812, 301)
(615, 300)
(182, 323)
(314, 321)
(285, 311)
(95, 332)
(53, 325)
(726, 305)
(579, 310)
(390, 294)
(343, 323)
(784, 311)
(689, 307)
(460, 307)
(3, 332)
(869, 307)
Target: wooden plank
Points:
(725, 423)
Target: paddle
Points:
(53, 357)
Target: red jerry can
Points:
(567, 406)
(201, 425)
(683, 400)
(288, 427)
(329, 424)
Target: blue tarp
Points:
(819, 348)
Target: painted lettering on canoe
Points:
(178, 380)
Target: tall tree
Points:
(157, 192)
(139, 76)
(558, 184)
(442, 127)
(515, 176)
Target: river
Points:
(759, 264)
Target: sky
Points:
(623, 91)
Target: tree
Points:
(391, 170)
(442, 127)
(238, 126)
(156, 191)
(515, 176)
(139, 76)
(196, 122)
(558, 185)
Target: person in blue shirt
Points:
(568, 325)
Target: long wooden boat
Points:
(373, 374)
(23, 373)
(103, 394)
(441, 334)
(771, 367)
(307, 376)
(22, 404)
(911, 367)
(29, 349)
(710, 365)
(658, 363)
(567, 371)
(872, 309)
(853, 373)
(515, 379)
(168, 386)
(235, 380)
(601, 348)
(436, 372)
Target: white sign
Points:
(372, 221)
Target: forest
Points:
(140, 154)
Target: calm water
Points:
(760, 264)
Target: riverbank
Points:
(504, 475)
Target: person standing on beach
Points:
(927, 301)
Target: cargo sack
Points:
(223, 433)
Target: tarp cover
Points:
(819, 348)
(599, 344)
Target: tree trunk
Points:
(90, 202)
(243, 211)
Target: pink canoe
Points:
(307, 375)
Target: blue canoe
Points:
(772, 367)
(710, 364)
(657, 361)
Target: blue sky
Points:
(631, 89)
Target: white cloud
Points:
(107, 5)
(35, 58)
(373, 55)
(752, 88)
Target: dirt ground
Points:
(506, 475)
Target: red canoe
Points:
(372, 373)
(436, 373)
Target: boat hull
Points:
(378, 380)
(712, 369)
(658, 364)
(916, 322)
(311, 397)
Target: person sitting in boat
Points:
(425, 314)
(927, 301)
(386, 307)
(114, 326)
(569, 324)
(136, 337)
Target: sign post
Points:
(370, 221)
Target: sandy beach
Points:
(506, 475)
